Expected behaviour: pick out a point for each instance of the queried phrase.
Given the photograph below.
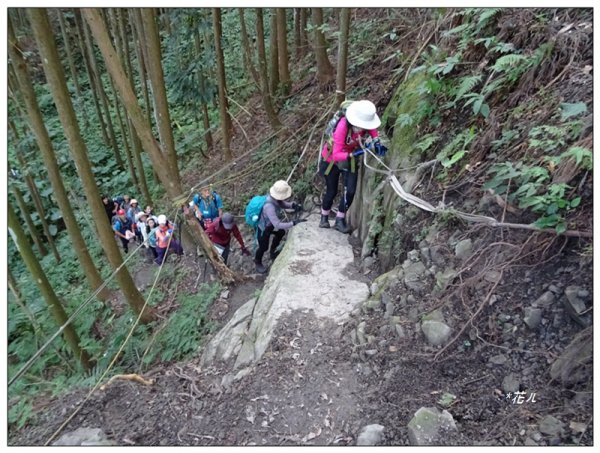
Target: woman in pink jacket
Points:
(354, 131)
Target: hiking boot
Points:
(340, 225)
(260, 268)
(274, 255)
(324, 221)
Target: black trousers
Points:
(350, 181)
(125, 243)
(263, 241)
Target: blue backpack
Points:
(254, 210)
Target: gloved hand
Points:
(297, 221)
(170, 231)
(245, 251)
(358, 152)
(297, 207)
(380, 150)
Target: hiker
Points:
(151, 227)
(132, 213)
(141, 221)
(123, 228)
(110, 206)
(148, 210)
(165, 239)
(207, 206)
(270, 224)
(219, 232)
(355, 130)
(123, 202)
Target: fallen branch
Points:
(128, 377)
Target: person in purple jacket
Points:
(354, 132)
(270, 224)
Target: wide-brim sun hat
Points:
(139, 215)
(363, 114)
(227, 221)
(134, 201)
(280, 190)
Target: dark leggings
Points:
(263, 241)
(332, 181)
(125, 243)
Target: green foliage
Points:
(19, 413)
(568, 110)
(550, 137)
(457, 148)
(427, 141)
(186, 327)
(551, 201)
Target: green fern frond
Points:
(509, 61)
(425, 143)
(466, 85)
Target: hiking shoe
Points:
(341, 226)
(260, 268)
(324, 222)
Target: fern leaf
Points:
(466, 85)
(508, 61)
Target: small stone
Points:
(436, 332)
(536, 436)
(400, 331)
(551, 426)
(492, 276)
(530, 442)
(554, 289)
(583, 293)
(463, 249)
(370, 435)
(410, 299)
(413, 255)
(413, 314)
(532, 317)
(510, 384)
(225, 294)
(545, 300)
(429, 426)
(499, 359)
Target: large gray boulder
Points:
(430, 426)
(309, 274)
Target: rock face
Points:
(84, 436)
(429, 426)
(296, 281)
(575, 363)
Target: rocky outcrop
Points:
(311, 273)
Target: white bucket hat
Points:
(363, 114)
(280, 190)
(162, 219)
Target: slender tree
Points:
(273, 56)
(171, 182)
(202, 84)
(247, 50)
(14, 289)
(45, 146)
(88, 68)
(40, 279)
(285, 83)
(28, 220)
(140, 50)
(157, 80)
(222, 85)
(99, 86)
(56, 81)
(304, 41)
(262, 71)
(324, 67)
(342, 62)
(39, 207)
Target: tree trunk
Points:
(40, 279)
(274, 57)
(247, 50)
(56, 81)
(65, 35)
(222, 85)
(86, 60)
(342, 63)
(324, 68)
(103, 98)
(140, 50)
(297, 33)
(157, 80)
(285, 83)
(304, 41)
(207, 132)
(262, 71)
(45, 146)
(37, 201)
(28, 220)
(171, 183)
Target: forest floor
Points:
(321, 389)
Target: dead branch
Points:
(128, 377)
